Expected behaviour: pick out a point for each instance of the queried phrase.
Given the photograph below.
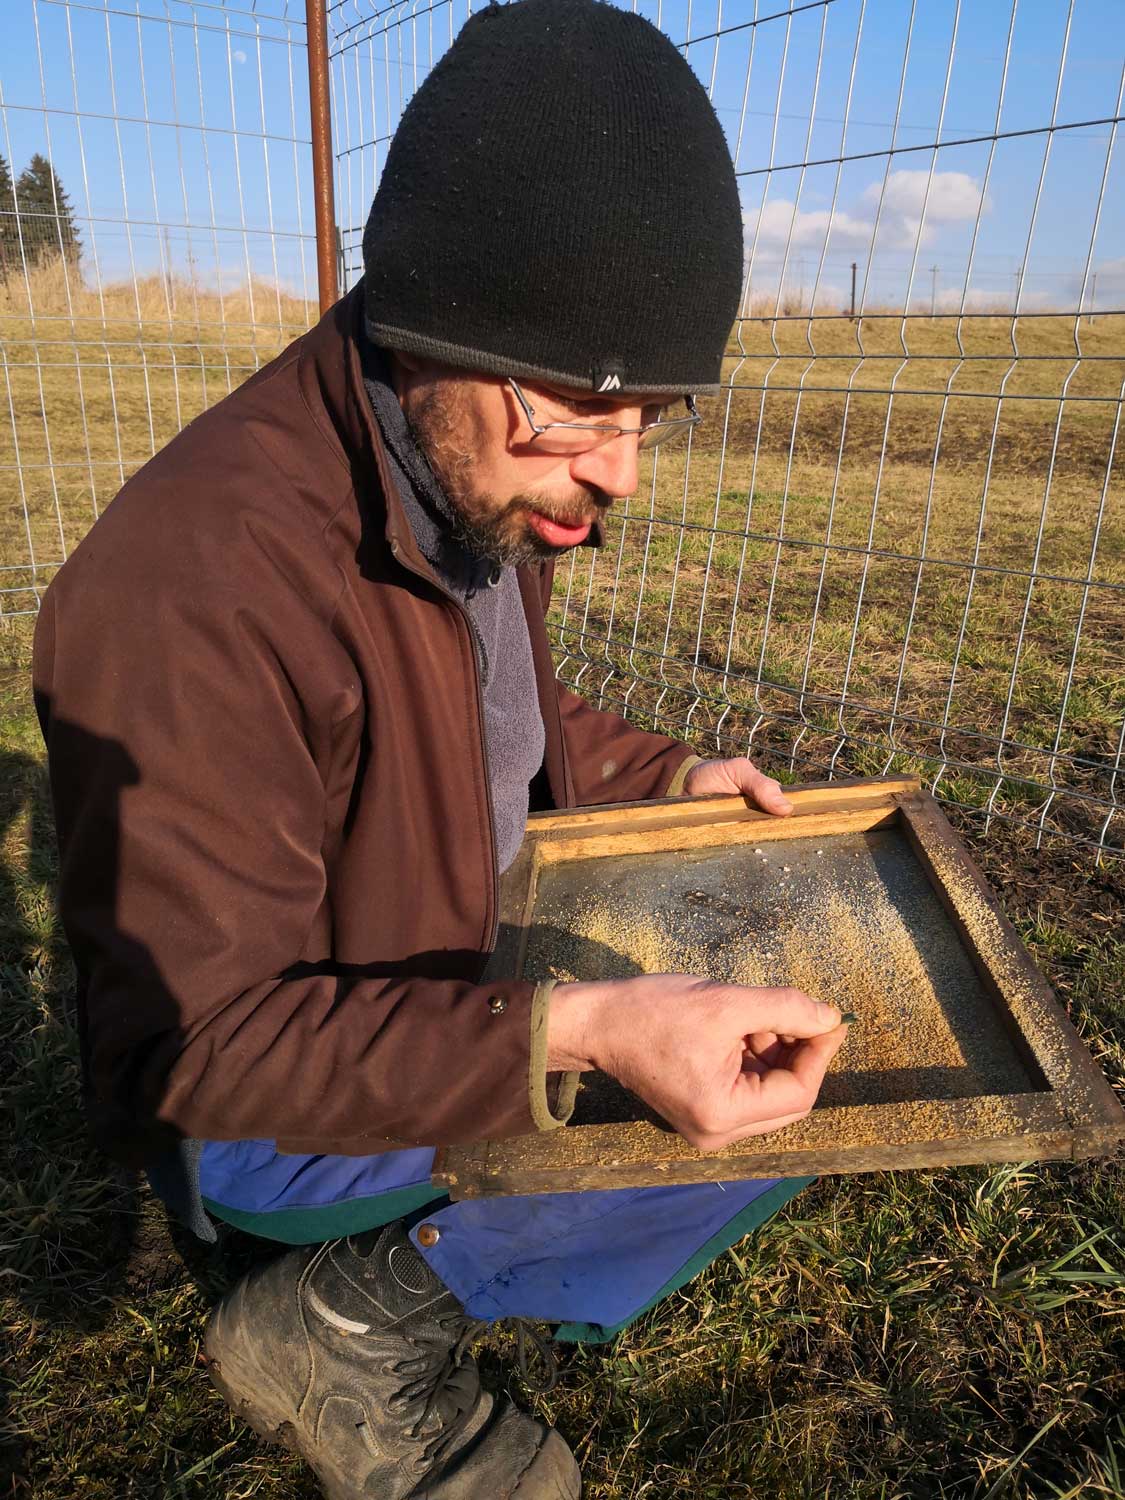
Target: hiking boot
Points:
(356, 1355)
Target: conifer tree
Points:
(45, 213)
(9, 236)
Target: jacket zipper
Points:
(459, 608)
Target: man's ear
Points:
(404, 371)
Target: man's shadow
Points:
(68, 1222)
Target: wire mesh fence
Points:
(155, 242)
(898, 539)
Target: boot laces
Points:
(443, 1378)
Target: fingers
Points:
(760, 1098)
(740, 775)
(784, 1012)
(765, 1050)
(811, 1059)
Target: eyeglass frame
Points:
(693, 419)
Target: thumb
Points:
(788, 1012)
(770, 798)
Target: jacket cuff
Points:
(675, 787)
(541, 1113)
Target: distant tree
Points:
(46, 216)
(9, 236)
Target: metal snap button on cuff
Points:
(428, 1236)
(498, 1005)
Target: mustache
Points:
(584, 512)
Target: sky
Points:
(180, 131)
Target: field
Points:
(778, 590)
(956, 1333)
(883, 565)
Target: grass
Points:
(926, 1334)
(953, 1334)
(743, 597)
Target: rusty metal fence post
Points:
(320, 114)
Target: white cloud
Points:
(950, 197)
(945, 197)
(778, 225)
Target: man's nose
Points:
(611, 467)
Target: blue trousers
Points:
(590, 1261)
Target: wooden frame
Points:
(1073, 1113)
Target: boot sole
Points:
(283, 1435)
(567, 1478)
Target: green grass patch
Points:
(951, 1334)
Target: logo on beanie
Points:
(607, 375)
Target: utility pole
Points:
(933, 291)
(1018, 274)
(1092, 314)
(852, 315)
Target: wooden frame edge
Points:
(926, 1133)
(498, 1182)
(666, 810)
(1005, 966)
(1077, 1115)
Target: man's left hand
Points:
(739, 777)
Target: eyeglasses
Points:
(580, 437)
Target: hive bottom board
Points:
(852, 919)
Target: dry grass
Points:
(98, 382)
(739, 598)
(780, 575)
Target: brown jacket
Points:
(263, 721)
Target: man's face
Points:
(516, 503)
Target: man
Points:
(298, 699)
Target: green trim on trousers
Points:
(331, 1221)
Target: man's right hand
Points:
(717, 1061)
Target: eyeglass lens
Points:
(565, 433)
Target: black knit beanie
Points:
(559, 203)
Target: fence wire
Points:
(897, 541)
(156, 242)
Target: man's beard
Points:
(494, 530)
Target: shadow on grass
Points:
(78, 1233)
(68, 1220)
